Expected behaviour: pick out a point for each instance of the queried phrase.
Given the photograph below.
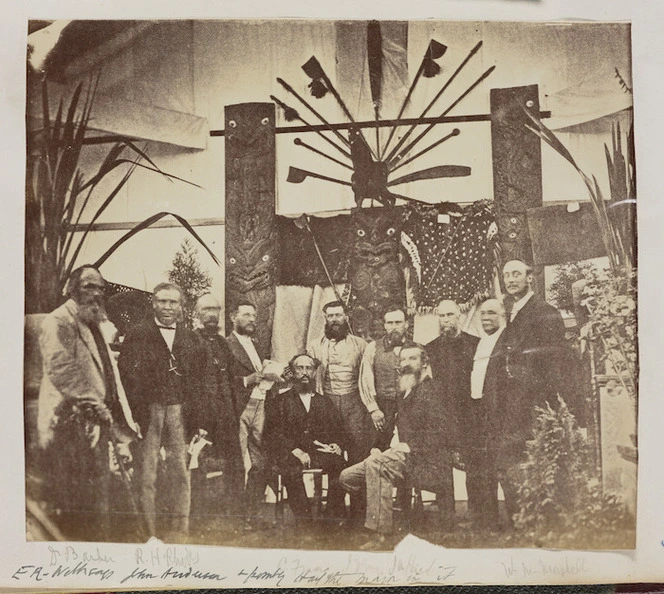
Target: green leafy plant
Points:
(59, 194)
(560, 290)
(187, 272)
(616, 215)
(561, 501)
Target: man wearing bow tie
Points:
(162, 364)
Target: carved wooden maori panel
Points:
(517, 167)
(250, 213)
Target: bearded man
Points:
(217, 414)
(340, 355)
(307, 434)
(422, 435)
(84, 417)
(379, 376)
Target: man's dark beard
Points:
(395, 338)
(449, 332)
(245, 331)
(336, 333)
(211, 328)
(91, 313)
(303, 387)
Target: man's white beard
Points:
(408, 381)
(92, 313)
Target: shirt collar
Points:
(160, 325)
(518, 305)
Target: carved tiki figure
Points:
(250, 213)
(376, 276)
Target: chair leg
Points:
(318, 495)
(279, 504)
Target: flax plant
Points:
(59, 218)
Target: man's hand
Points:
(123, 452)
(374, 452)
(253, 379)
(272, 377)
(378, 419)
(336, 449)
(303, 457)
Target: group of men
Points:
(373, 416)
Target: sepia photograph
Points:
(324, 284)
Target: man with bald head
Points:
(451, 356)
(488, 362)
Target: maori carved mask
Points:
(251, 267)
(376, 237)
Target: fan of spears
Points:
(374, 165)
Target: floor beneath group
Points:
(271, 532)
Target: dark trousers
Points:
(389, 409)
(482, 487)
(291, 469)
(445, 490)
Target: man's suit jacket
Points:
(429, 431)
(145, 363)
(72, 369)
(532, 364)
(217, 412)
(451, 361)
(291, 426)
(239, 367)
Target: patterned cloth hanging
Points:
(456, 250)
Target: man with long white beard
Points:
(83, 410)
(422, 434)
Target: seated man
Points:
(423, 432)
(303, 431)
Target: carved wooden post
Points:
(251, 250)
(517, 172)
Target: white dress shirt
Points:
(518, 305)
(168, 332)
(250, 348)
(306, 400)
(481, 362)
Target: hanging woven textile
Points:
(456, 252)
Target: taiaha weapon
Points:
(450, 108)
(302, 222)
(434, 51)
(299, 142)
(292, 114)
(433, 101)
(313, 69)
(452, 134)
(295, 94)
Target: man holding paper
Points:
(305, 432)
(252, 378)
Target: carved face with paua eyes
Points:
(376, 236)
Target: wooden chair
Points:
(318, 495)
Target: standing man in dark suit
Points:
(162, 364)
(217, 416)
(251, 390)
(451, 356)
(307, 434)
(535, 355)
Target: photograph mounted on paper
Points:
(323, 284)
